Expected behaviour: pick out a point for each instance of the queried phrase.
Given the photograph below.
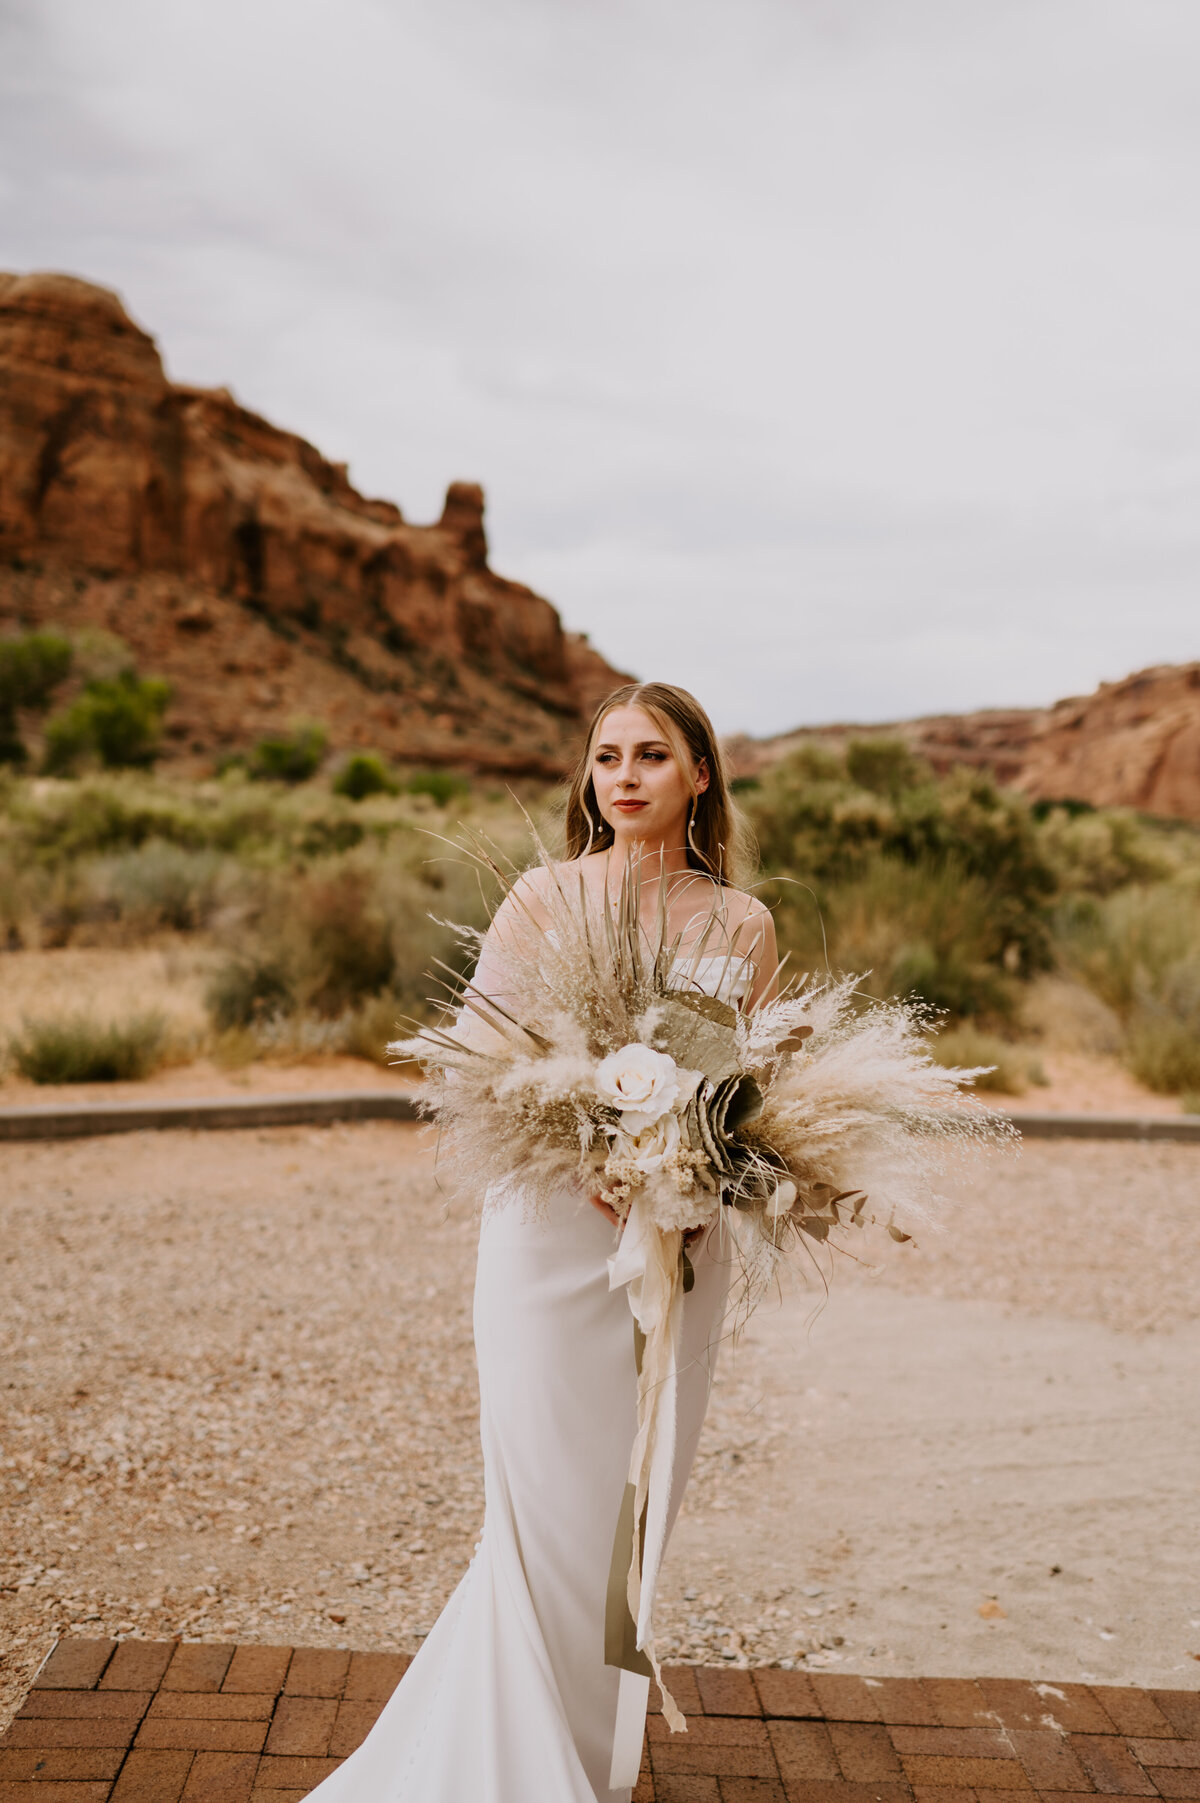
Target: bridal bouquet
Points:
(606, 1066)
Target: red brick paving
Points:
(160, 1722)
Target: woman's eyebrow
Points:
(642, 745)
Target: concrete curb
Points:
(78, 1120)
(1108, 1126)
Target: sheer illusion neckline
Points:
(732, 971)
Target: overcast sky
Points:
(836, 358)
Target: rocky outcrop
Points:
(237, 561)
(1132, 744)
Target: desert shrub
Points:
(1010, 1073)
(1164, 1032)
(32, 665)
(78, 1049)
(816, 822)
(1126, 946)
(885, 766)
(251, 986)
(162, 885)
(1097, 853)
(289, 758)
(116, 721)
(366, 1032)
(1139, 950)
(326, 941)
(442, 786)
(926, 930)
(345, 947)
(1164, 1051)
(363, 774)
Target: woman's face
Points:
(642, 790)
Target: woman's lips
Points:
(630, 805)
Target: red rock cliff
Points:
(1132, 744)
(236, 560)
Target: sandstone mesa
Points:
(241, 564)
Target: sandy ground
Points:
(239, 1402)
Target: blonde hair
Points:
(719, 843)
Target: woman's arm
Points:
(756, 938)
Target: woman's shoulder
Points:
(742, 908)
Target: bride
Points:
(528, 1689)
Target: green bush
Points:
(78, 1049)
(247, 988)
(817, 821)
(1005, 1071)
(442, 786)
(885, 766)
(289, 758)
(363, 774)
(161, 885)
(1098, 853)
(116, 722)
(32, 666)
(928, 930)
(345, 950)
(1164, 1053)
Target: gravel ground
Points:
(240, 1398)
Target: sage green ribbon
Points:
(620, 1629)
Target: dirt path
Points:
(240, 1403)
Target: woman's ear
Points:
(702, 777)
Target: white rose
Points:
(649, 1148)
(643, 1084)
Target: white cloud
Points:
(835, 358)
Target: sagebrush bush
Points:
(442, 786)
(907, 929)
(116, 721)
(251, 986)
(76, 1048)
(363, 774)
(328, 939)
(161, 885)
(289, 757)
(1139, 951)
(817, 820)
(32, 665)
(1006, 1071)
(1126, 945)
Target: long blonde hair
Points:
(718, 842)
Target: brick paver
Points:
(167, 1722)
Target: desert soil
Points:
(239, 1403)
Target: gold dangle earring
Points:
(697, 853)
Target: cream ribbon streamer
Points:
(647, 1262)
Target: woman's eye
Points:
(655, 757)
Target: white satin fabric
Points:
(509, 1699)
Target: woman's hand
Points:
(606, 1209)
(610, 1214)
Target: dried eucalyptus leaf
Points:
(697, 1038)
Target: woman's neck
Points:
(650, 864)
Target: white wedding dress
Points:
(509, 1699)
